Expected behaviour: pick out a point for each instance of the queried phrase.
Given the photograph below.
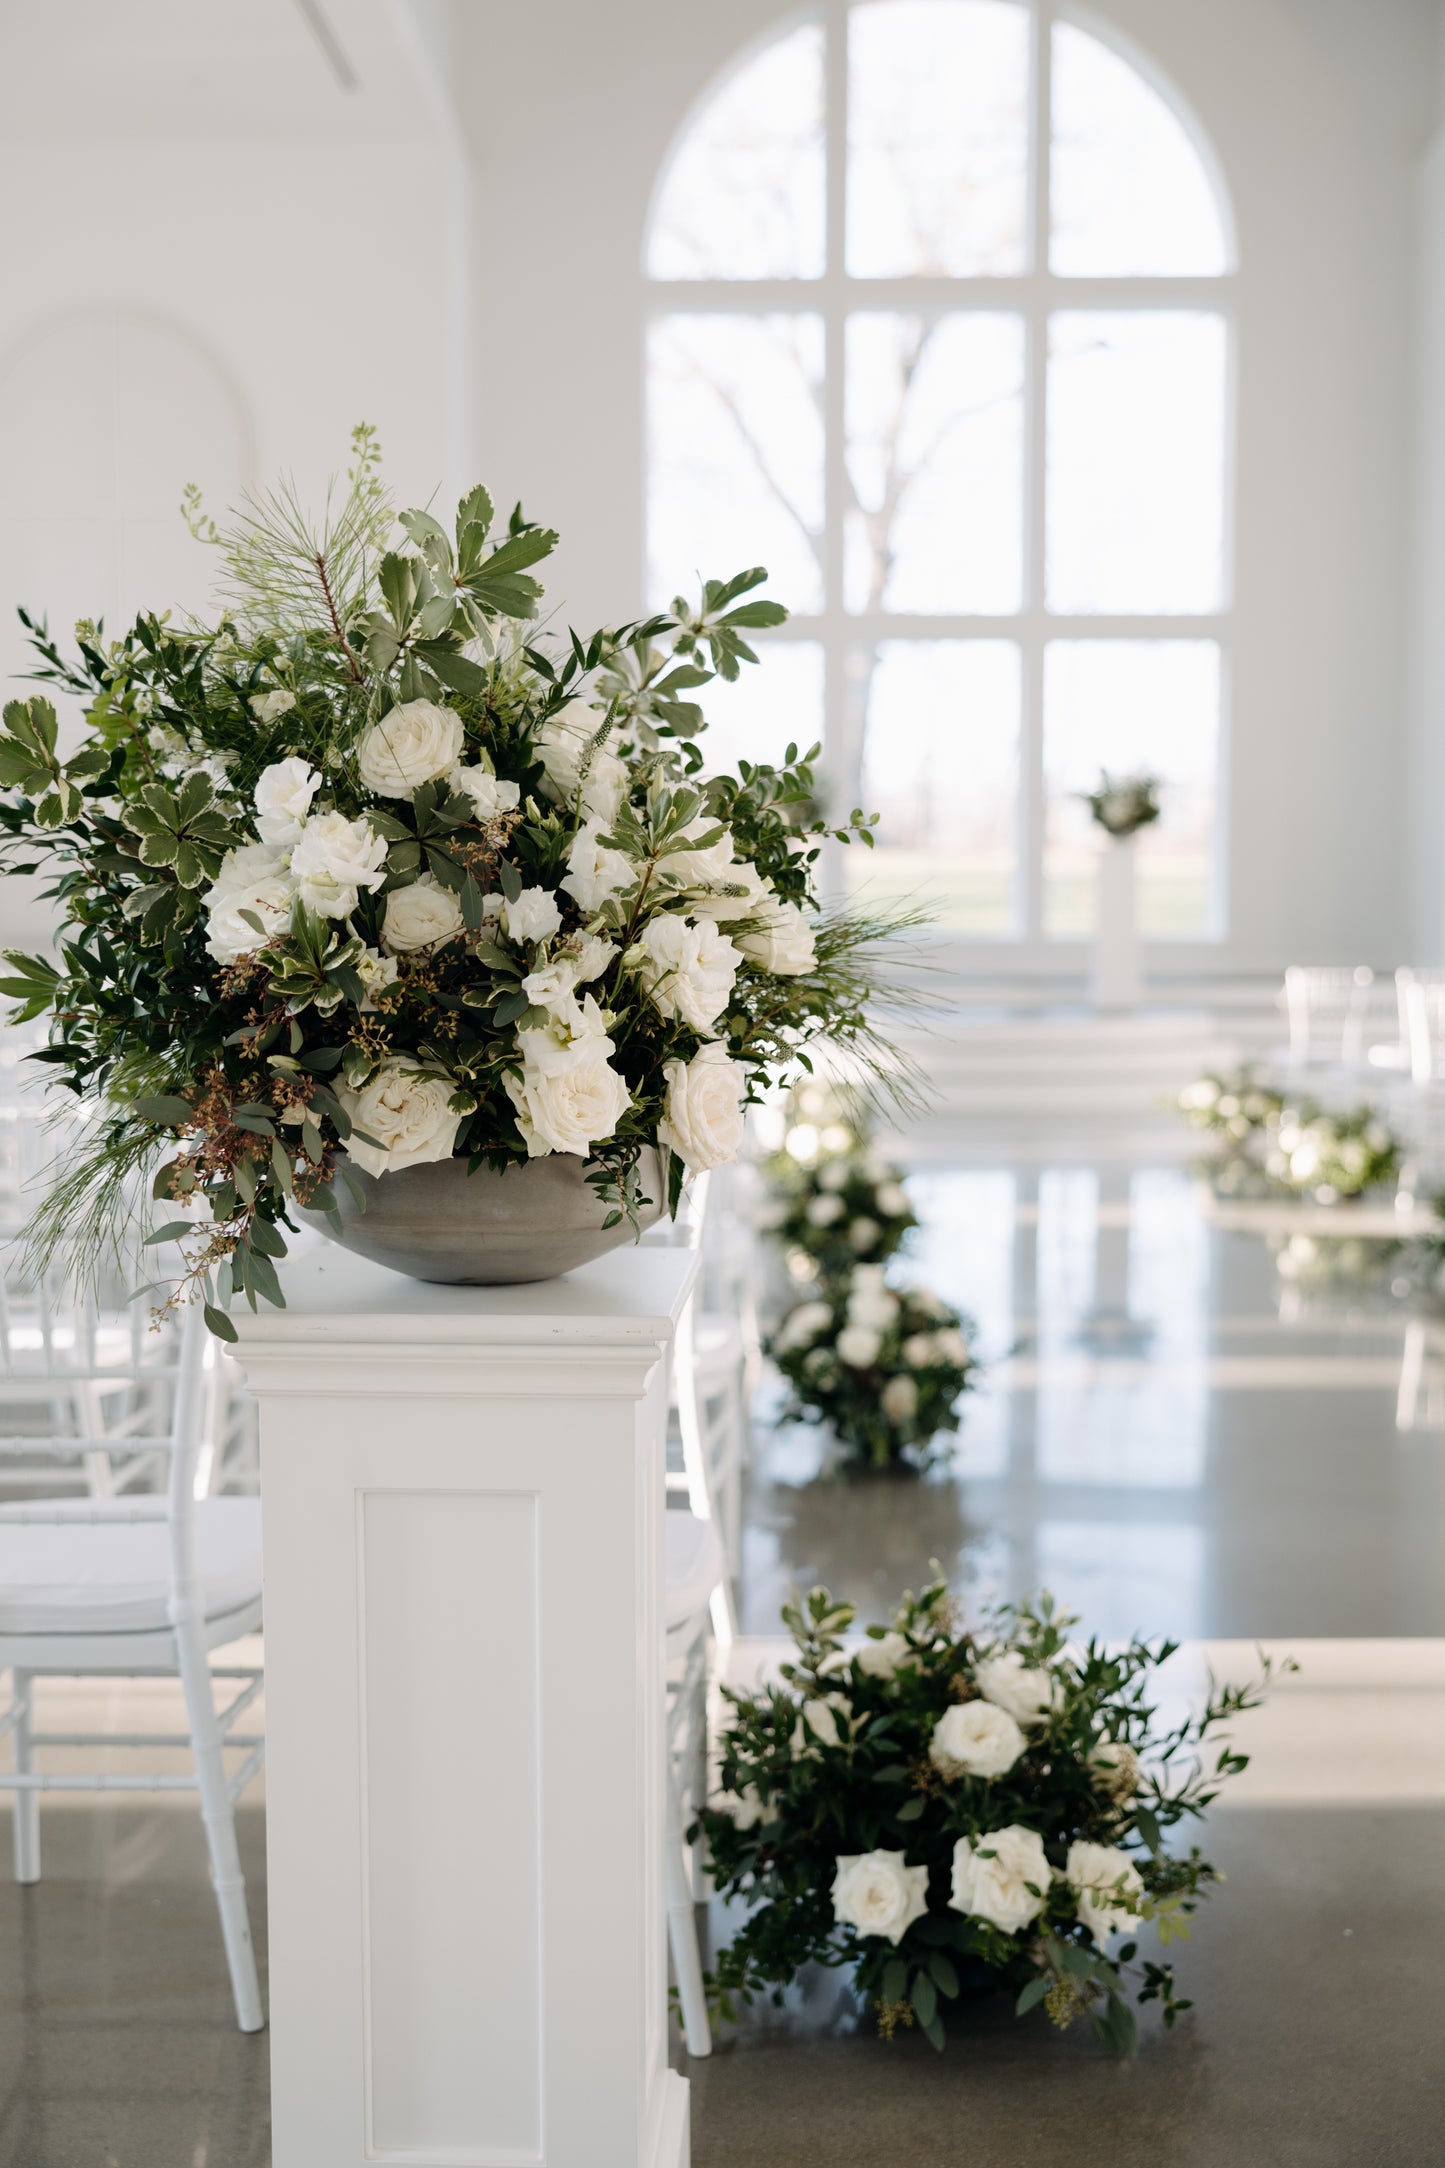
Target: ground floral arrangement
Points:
(361, 873)
(883, 1365)
(941, 1811)
(1287, 1145)
(1122, 805)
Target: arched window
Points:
(940, 331)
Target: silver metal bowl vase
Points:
(485, 1229)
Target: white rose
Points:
(873, 1306)
(1094, 1872)
(891, 1201)
(975, 1739)
(701, 867)
(568, 1097)
(1010, 1888)
(593, 872)
(950, 1346)
(781, 941)
(376, 972)
(1029, 1695)
(899, 1400)
(267, 706)
(835, 1175)
(1114, 1767)
(863, 1233)
(534, 916)
(881, 1658)
(334, 859)
(868, 1279)
(804, 1324)
(703, 1117)
(253, 878)
(282, 798)
(688, 970)
(747, 893)
(824, 1211)
(919, 1351)
(745, 1807)
(406, 1112)
(409, 745)
(819, 1718)
(876, 1893)
(921, 1298)
(859, 1346)
(420, 916)
(561, 746)
(490, 794)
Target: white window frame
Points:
(1034, 296)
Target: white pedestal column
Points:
(463, 1493)
(1116, 936)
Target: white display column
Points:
(463, 1497)
(1116, 977)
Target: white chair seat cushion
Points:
(88, 1567)
(694, 1566)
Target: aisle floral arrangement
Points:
(1333, 1156)
(1236, 1107)
(884, 1367)
(365, 874)
(839, 1208)
(1122, 805)
(941, 1811)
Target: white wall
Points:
(1319, 110)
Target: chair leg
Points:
(219, 1815)
(27, 1803)
(682, 1934)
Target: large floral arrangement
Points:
(884, 1367)
(939, 1808)
(365, 873)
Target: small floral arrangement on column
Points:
(1122, 805)
(884, 1367)
(941, 1810)
(1332, 1157)
(364, 873)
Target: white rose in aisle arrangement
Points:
(950, 1346)
(781, 941)
(410, 745)
(872, 1305)
(882, 1657)
(561, 746)
(824, 1211)
(594, 872)
(834, 1174)
(1028, 1694)
(267, 706)
(877, 1893)
(490, 794)
(568, 1096)
(704, 866)
(703, 1121)
(919, 1350)
(998, 1889)
(891, 1200)
(282, 798)
(975, 1739)
(334, 859)
(1095, 1872)
(534, 916)
(688, 970)
(1114, 1766)
(420, 916)
(252, 878)
(899, 1400)
(746, 893)
(922, 1298)
(859, 1346)
(406, 1112)
(862, 1233)
(804, 1324)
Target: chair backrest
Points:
(1326, 1011)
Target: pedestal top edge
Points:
(631, 1296)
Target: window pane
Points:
(940, 766)
(937, 138)
(735, 453)
(1135, 465)
(765, 709)
(743, 195)
(935, 450)
(1129, 196)
(1128, 705)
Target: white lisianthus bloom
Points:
(1008, 1889)
(702, 1119)
(593, 957)
(919, 1351)
(859, 1346)
(407, 1113)
(594, 872)
(1105, 1881)
(688, 970)
(561, 746)
(420, 916)
(740, 892)
(881, 1658)
(891, 1200)
(950, 1346)
(410, 745)
(282, 798)
(267, 706)
(552, 984)
(334, 859)
(824, 1211)
(878, 1894)
(252, 878)
(376, 972)
(490, 794)
(899, 1400)
(781, 941)
(568, 1096)
(1030, 1695)
(975, 1739)
(707, 865)
(1114, 1767)
(534, 916)
(804, 1324)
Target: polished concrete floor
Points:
(1163, 1447)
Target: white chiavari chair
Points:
(693, 1573)
(1327, 1012)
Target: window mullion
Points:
(842, 735)
(1032, 805)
